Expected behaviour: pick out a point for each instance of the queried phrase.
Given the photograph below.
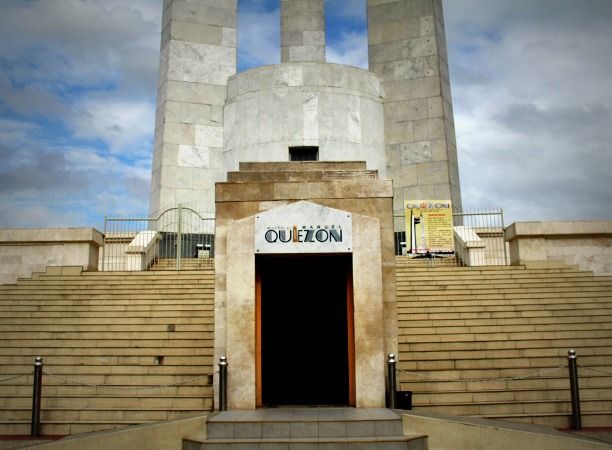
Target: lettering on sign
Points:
(303, 227)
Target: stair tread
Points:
(306, 440)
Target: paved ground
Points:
(601, 434)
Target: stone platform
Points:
(306, 428)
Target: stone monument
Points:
(397, 117)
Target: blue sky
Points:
(531, 83)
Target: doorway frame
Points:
(350, 332)
(234, 335)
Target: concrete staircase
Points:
(186, 264)
(313, 428)
(118, 348)
(505, 331)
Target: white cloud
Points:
(352, 10)
(124, 125)
(531, 82)
(58, 43)
(533, 106)
(258, 34)
(351, 49)
(77, 102)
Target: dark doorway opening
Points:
(303, 153)
(305, 330)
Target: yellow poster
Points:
(429, 226)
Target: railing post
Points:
(572, 360)
(391, 380)
(179, 238)
(223, 383)
(36, 396)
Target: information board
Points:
(429, 226)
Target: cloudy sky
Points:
(531, 83)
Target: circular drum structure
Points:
(330, 106)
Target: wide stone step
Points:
(336, 443)
(306, 428)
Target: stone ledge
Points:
(17, 236)
(301, 166)
(559, 229)
(345, 189)
(587, 244)
(303, 74)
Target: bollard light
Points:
(391, 380)
(223, 383)
(36, 396)
(572, 364)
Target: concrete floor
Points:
(601, 434)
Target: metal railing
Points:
(478, 235)
(572, 364)
(179, 238)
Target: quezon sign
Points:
(303, 227)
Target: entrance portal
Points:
(305, 336)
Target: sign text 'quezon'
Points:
(303, 227)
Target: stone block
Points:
(290, 37)
(314, 38)
(428, 129)
(412, 89)
(310, 110)
(399, 132)
(196, 32)
(385, 12)
(435, 107)
(169, 154)
(229, 37)
(285, 54)
(201, 63)
(303, 22)
(288, 75)
(405, 175)
(306, 53)
(439, 150)
(193, 156)
(415, 153)
(427, 26)
(302, 31)
(189, 113)
(419, 47)
(418, 67)
(412, 110)
(178, 133)
(449, 115)
(386, 52)
(190, 92)
(202, 13)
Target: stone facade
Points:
(198, 55)
(302, 31)
(342, 186)
(586, 244)
(24, 251)
(397, 117)
(407, 50)
(333, 107)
